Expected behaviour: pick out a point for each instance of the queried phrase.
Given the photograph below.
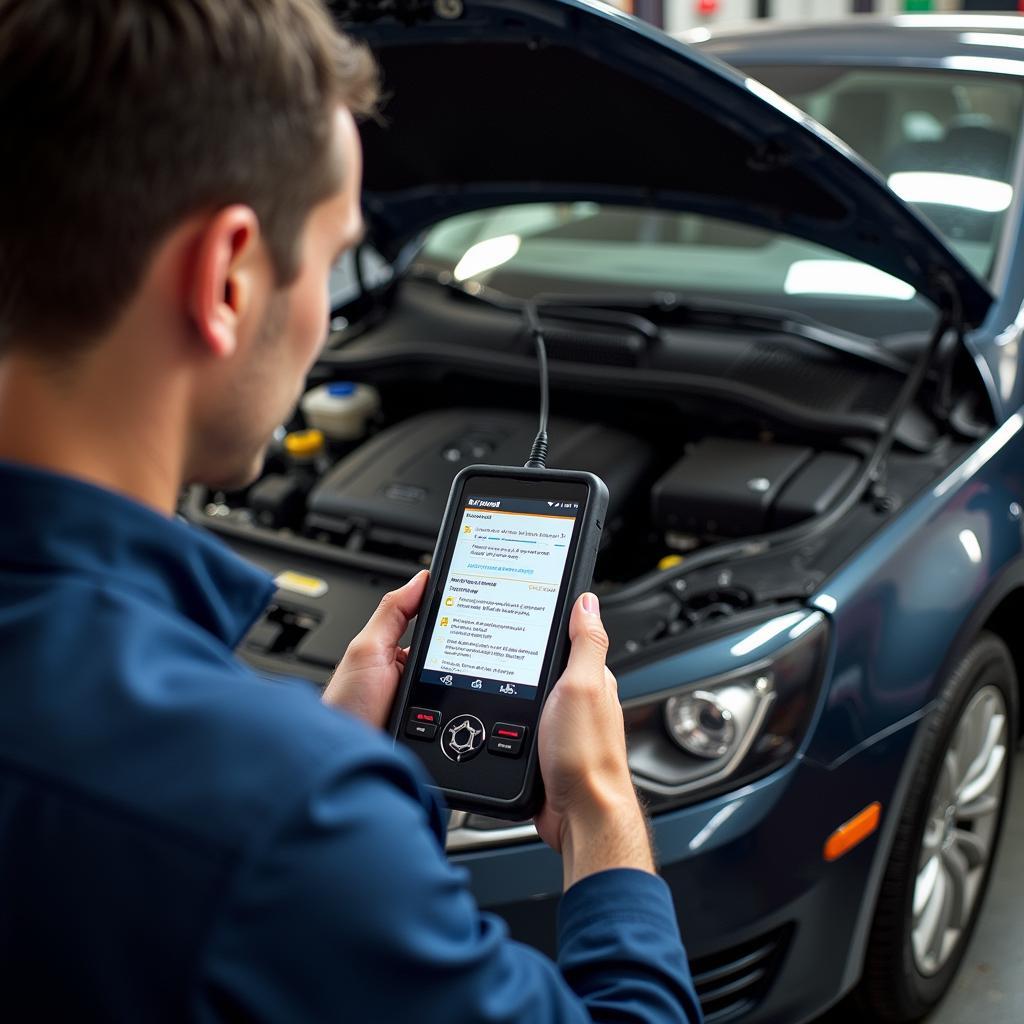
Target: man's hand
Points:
(591, 813)
(366, 680)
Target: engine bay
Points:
(341, 514)
(386, 494)
(688, 414)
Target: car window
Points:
(946, 141)
(588, 247)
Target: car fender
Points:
(905, 610)
(902, 605)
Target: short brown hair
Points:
(119, 118)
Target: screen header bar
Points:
(556, 507)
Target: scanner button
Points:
(463, 737)
(506, 748)
(422, 723)
(424, 715)
(507, 740)
(420, 730)
(509, 732)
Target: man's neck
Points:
(93, 421)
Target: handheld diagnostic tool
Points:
(516, 549)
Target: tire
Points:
(911, 958)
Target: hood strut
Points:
(869, 481)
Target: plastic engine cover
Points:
(399, 480)
(726, 488)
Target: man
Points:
(179, 838)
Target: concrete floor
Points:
(989, 988)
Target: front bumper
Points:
(774, 932)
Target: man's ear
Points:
(221, 277)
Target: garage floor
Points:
(990, 984)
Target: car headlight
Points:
(690, 742)
(711, 723)
(693, 740)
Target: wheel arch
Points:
(995, 611)
(1007, 622)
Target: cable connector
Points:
(539, 452)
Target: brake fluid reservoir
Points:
(340, 409)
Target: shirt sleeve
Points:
(351, 911)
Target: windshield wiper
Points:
(629, 309)
(743, 316)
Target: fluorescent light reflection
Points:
(993, 39)
(943, 189)
(987, 65)
(763, 634)
(486, 255)
(985, 451)
(984, 21)
(695, 35)
(802, 627)
(715, 824)
(791, 110)
(843, 277)
(969, 540)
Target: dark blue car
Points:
(796, 364)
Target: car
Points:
(796, 362)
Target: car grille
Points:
(731, 983)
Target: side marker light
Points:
(853, 832)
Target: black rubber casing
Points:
(500, 787)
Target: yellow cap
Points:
(302, 444)
(300, 583)
(669, 562)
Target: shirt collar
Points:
(59, 522)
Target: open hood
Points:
(491, 102)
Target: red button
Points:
(509, 732)
(424, 715)
(506, 740)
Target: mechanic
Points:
(180, 838)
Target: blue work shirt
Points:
(182, 839)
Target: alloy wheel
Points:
(959, 836)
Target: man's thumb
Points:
(588, 636)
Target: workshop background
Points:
(680, 15)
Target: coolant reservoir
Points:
(340, 409)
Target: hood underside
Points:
(503, 101)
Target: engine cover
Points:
(728, 488)
(400, 479)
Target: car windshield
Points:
(944, 141)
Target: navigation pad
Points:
(463, 737)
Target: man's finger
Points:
(396, 609)
(589, 640)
